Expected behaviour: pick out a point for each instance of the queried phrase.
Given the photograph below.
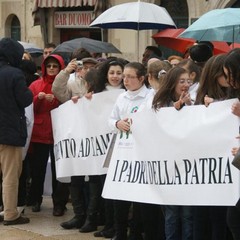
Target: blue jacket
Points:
(14, 94)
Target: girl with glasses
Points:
(128, 102)
(173, 92)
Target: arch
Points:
(226, 4)
(234, 4)
(13, 27)
(178, 10)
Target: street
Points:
(43, 225)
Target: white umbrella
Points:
(134, 15)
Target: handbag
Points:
(236, 160)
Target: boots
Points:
(90, 224)
(75, 222)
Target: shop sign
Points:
(77, 19)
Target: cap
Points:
(89, 60)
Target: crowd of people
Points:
(197, 78)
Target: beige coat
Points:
(66, 85)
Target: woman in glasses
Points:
(42, 136)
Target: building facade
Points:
(41, 21)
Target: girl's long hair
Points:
(103, 73)
(208, 84)
(166, 92)
(232, 64)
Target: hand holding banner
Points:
(177, 157)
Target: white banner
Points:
(82, 135)
(177, 157)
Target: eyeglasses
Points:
(183, 81)
(52, 66)
(129, 77)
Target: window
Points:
(15, 29)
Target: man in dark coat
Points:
(14, 97)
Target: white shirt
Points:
(193, 91)
(128, 102)
(76, 85)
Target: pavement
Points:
(43, 225)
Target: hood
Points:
(11, 51)
(55, 56)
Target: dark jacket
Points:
(14, 94)
(42, 128)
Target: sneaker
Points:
(20, 220)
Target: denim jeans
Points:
(178, 222)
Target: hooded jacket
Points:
(42, 128)
(14, 94)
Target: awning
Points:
(62, 3)
(41, 4)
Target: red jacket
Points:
(42, 128)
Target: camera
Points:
(79, 63)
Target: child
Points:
(194, 73)
(128, 102)
(173, 91)
(110, 77)
(156, 72)
(209, 222)
(232, 73)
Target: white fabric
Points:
(81, 135)
(126, 103)
(177, 157)
(193, 91)
(30, 120)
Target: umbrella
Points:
(32, 48)
(93, 46)
(234, 45)
(134, 15)
(216, 25)
(169, 38)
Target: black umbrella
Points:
(93, 46)
(33, 49)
